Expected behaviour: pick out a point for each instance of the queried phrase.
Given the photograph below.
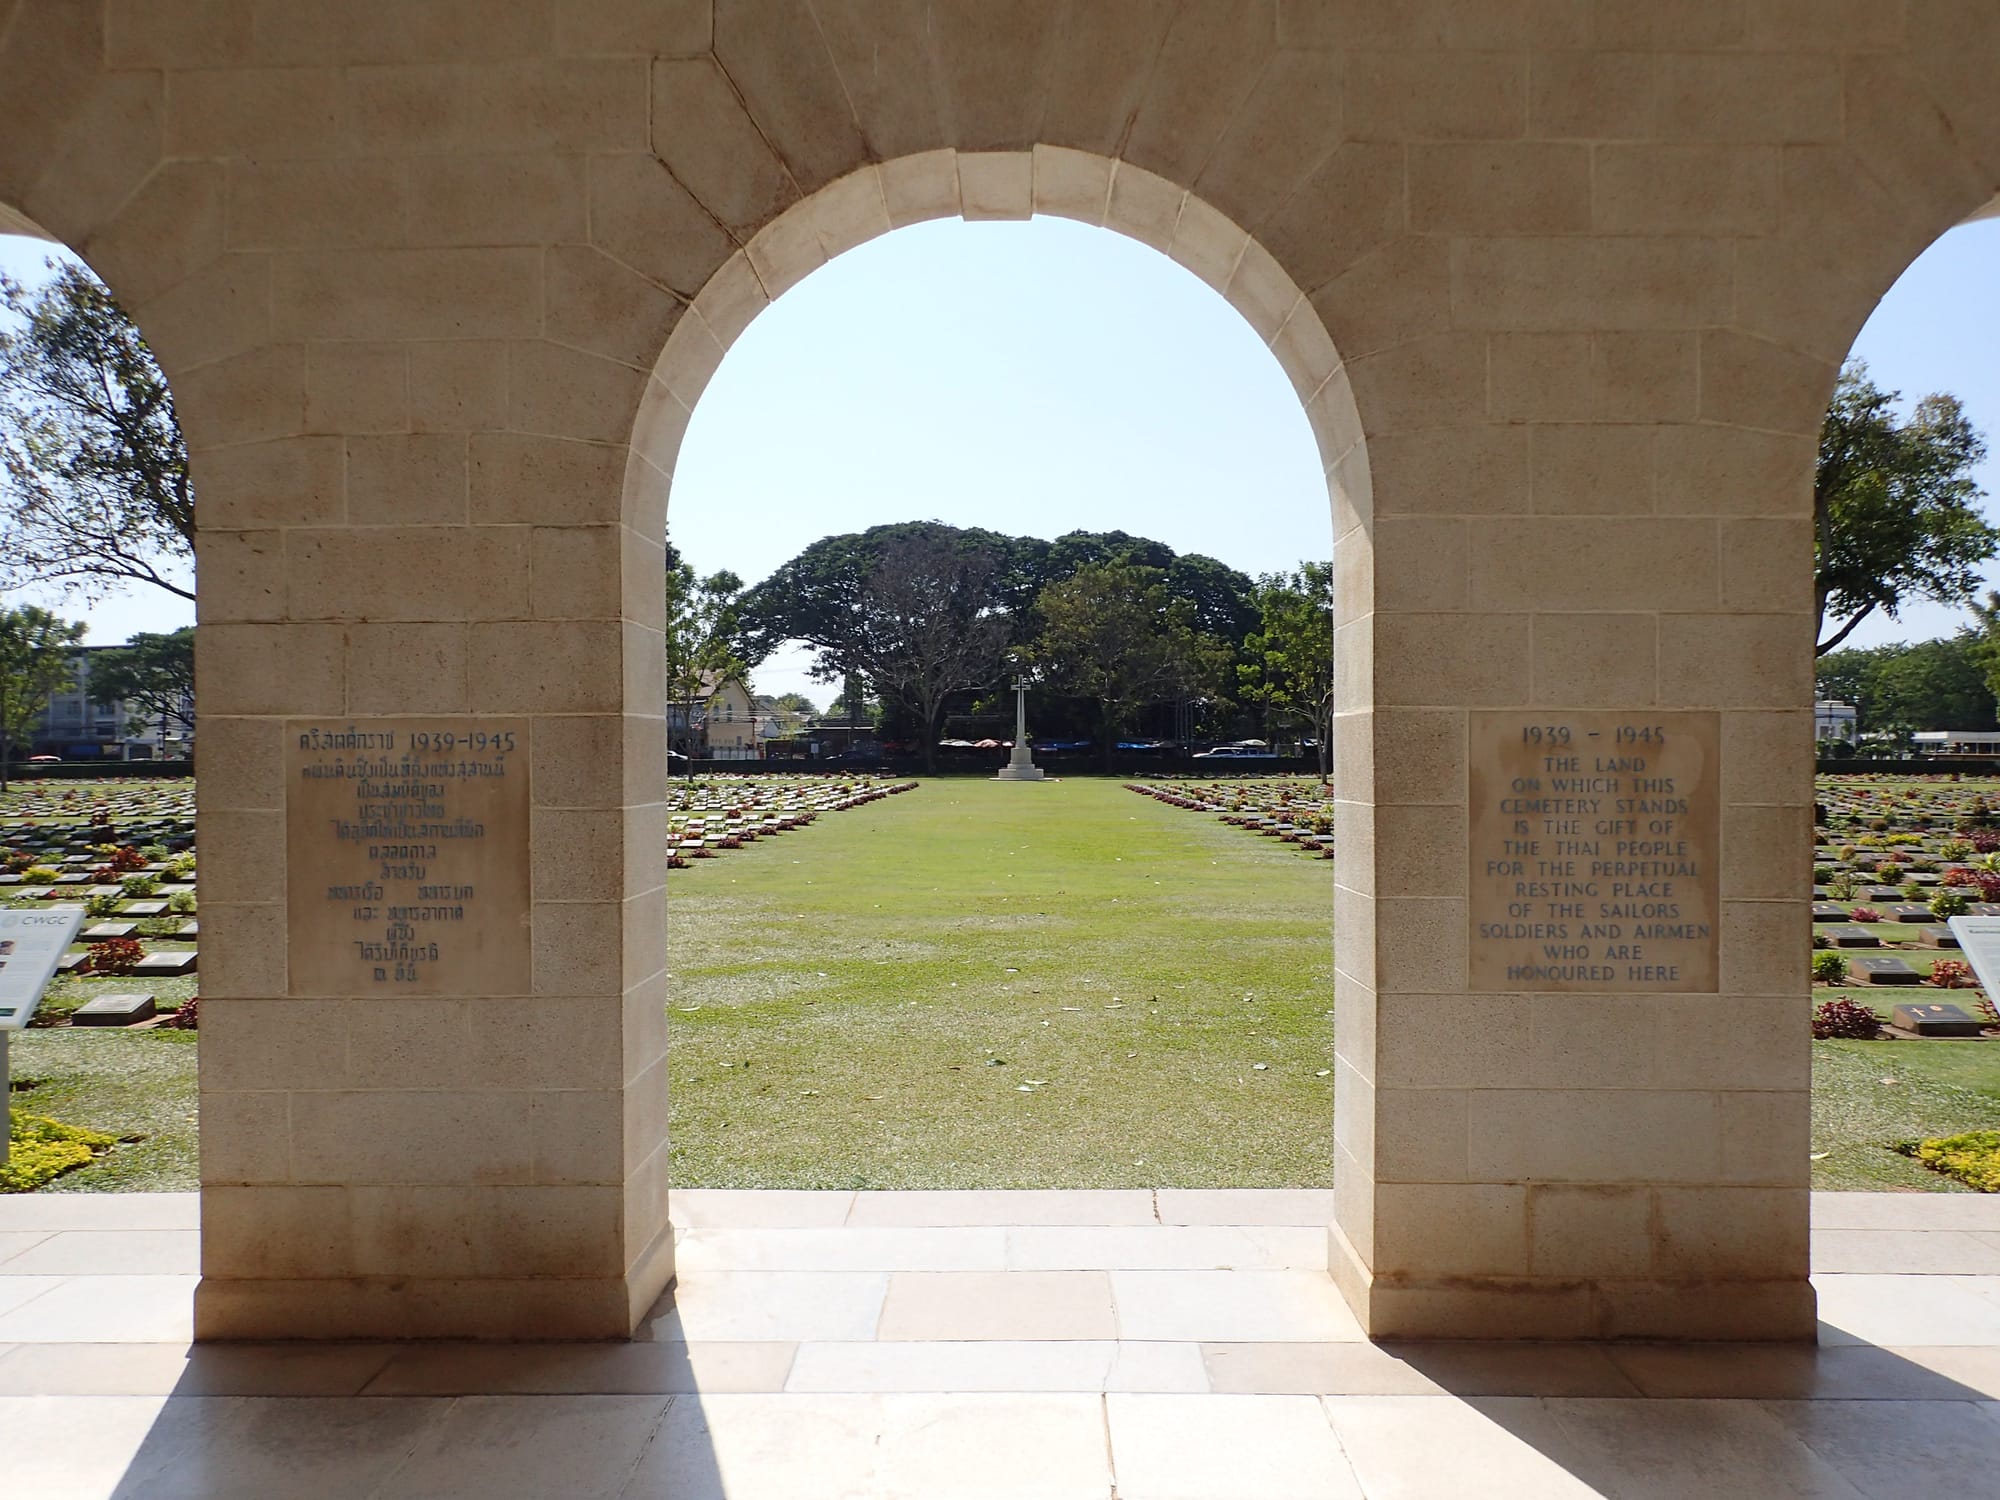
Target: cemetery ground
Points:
(1003, 984)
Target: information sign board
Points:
(31, 945)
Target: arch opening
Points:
(1069, 186)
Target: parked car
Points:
(1240, 751)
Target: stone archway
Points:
(1590, 270)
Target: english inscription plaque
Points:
(1594, 841)
(406, 844)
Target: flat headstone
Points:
(11, 879)
(68, 963)
(144, 908)
(74, 877)
(1983, 909)
(1936, 1019)
(165, 963)
(1829, 911)
(113, 1010)
(1852, 937)
(1883, 971)
(176, 890)
(188, 929)
(98, 932)
(1910, 911)
(1937, 935)
(1882, 895)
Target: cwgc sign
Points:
(406, 845)
(1594, 841)
(31, 945)
(1980, 938)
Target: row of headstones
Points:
(702, 836)
(1279, 820)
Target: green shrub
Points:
(1956, 849)
(38, 874)
(102, 906)
(140, 887)
(1842, 887)
(41, 1149)
(181, 903)
(1947, 903)
(1972, 1158)
(1829, 967)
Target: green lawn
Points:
(131, 1083)
(982, 984)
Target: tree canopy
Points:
(154, 671)
(1895, 510)
(96, 490)
(703, 634)
(34, 662)
(1287, 664)
(1939, 684)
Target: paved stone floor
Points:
(1109, 1345)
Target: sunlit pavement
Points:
(1147, 1346)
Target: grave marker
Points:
(1935, 1020)
(1883, 971)
(113, 1010)
(1852, 937)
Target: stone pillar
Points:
(471, 1143)
(1595, 528)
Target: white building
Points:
(1834, 721)
(75, 727)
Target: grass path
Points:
(979, 984)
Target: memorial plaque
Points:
(1853, 937)
(1829, 911)
(406, 843)
(1910, 911)
(1979, 936)
(1594, 841)
(1937, 935)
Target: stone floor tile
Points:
(768, 1306)
(1488, 1368)
(1176, 1247)
(1003, 1207)
(581, 1369)
(178, 1369)
(1231, 1306)
(1692, 1450)
(1966, 1211)
(129, 1252)
(44, 1458)
(759, 1208)
(1909, 1252)
(998, 1305)
(994, 1447)
(1299, 1369)
(1891, 1310)
(763, 1448)
(977, 1249)
(1782, 1371)
(1226, 1448)
(1061, 1365)
(1940, 1450)
(104, 1310)
(528, 1448)
(1974, 1369)
(1305, 1208)
(255, 1448)
(14, 1241)
(1436, 1448)
(18, 1291)
(50, 1213)
(1158, 1367)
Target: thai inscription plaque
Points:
(1595, 842)
(406, 845)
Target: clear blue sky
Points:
(1043, 377)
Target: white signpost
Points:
(31, 945)
(1980, 938)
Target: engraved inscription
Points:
(406, 846)
(1594, 840)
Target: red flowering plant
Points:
(1952, 974)
(1847, 1019)
(112, 956)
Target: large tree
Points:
(154, 671)
(703, 637)
(1120, 637)
(932, 626)
(1938, 684)
(34, 663)
(96, 490)
(1895, 510)
(1287, 664)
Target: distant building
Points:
(78, 728)
(724, 723)
(1834, 721)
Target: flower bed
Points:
(41, 1149)
(1972, 1158)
